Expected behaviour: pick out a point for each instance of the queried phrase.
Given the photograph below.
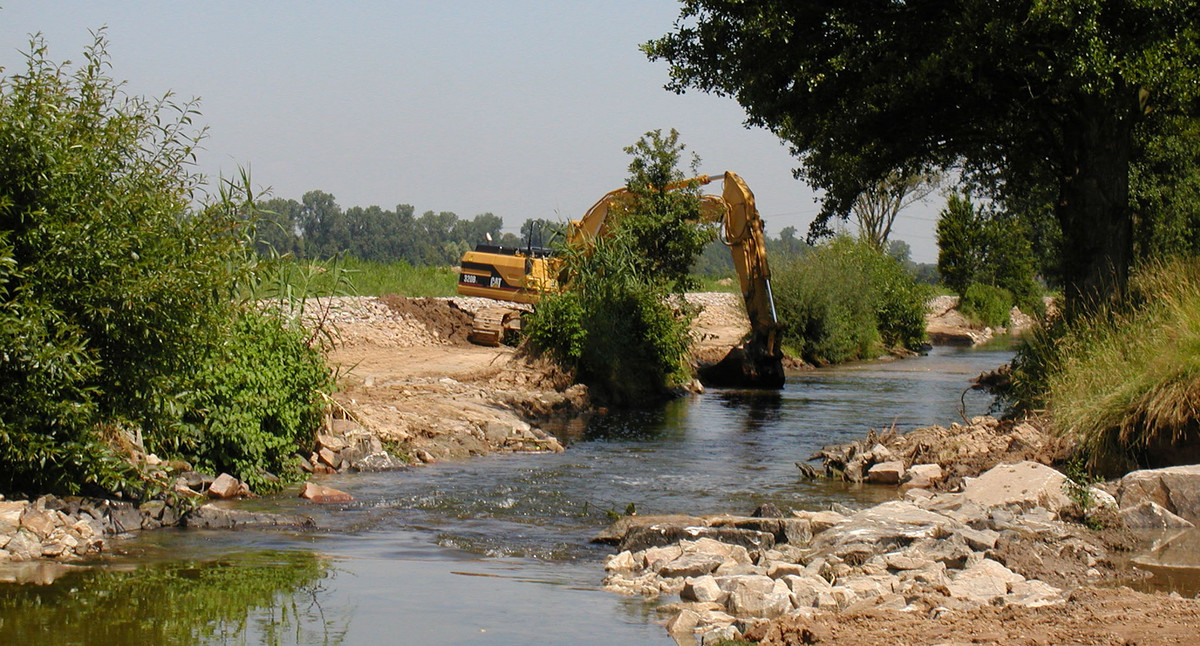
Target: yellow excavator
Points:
(523, 275)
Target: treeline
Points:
(317, 228)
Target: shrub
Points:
(845, 300)
(254, 402)
(613, 327)
(986, 305)
(115, 295)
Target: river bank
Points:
(726, 450)
(980, 545)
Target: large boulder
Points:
(1177, 489)
(1025, 484)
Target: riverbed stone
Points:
(703, 589)
(1176, 489)
(640, 538)
(622, 562)
(225, 486)
(1151, 515)
(756, 596)
(819, 521)
(324, 495)
(211, 516)
(922, 476)
(886, 526)
(24, 546)
(1025, 484)
(691, 565)
(983, 582)
(40, 522)
(887, 473)
(614, 533)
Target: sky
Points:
(517, 108)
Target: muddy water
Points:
(494, 550)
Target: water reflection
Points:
(256, 597)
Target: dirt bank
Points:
(409, 375)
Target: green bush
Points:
(845, 300)
(254, 402)
(613, 327)
(114, 291)
(986, 305)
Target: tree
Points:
(1036, 93)
(986, 246)
(876, 208)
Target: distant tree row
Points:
(317, 228)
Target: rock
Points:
(690, 565)
(1151, 515)
(1034, 594)
(703, 589)
(979, 539)
(224, 487)
(889, 525)
(613, 534)
(983, 582)
(40, 522)
(23, 546)
(123, 517)
(657, 535)
(767, 511)
(321, 494)
(1177, 489)
(380, 461)
(795, 531)
(888, 473)
(332, 442)
(623, 562)
(807, 590)
(820, 521)
(213, 517)
(655, 557)
(683, 625)
(1025, 484)
(922, 476)
(757, 596)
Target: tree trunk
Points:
(1093, 209)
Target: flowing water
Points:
(494, 550)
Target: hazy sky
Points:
(520, 109)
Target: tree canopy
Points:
(1016, 96)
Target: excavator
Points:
(523, 275)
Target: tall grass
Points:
(1125, 381)
(346, 276)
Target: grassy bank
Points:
(1125, 381)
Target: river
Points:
(494, 550)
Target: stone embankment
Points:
(1008, 536)
(945, 325)
(73, 528)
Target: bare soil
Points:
(1116, 617)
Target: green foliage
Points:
(613, 325)
(1124, 380)
(254, 402)
(663, 225)
(1037, 98)
(986, 305)
(981, 246)
(113, 291)
(845, 300)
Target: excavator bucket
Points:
(754, 364)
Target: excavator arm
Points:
(523, 275)
(758, 362)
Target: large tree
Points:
(1030, 93)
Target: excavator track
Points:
(492, 324)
